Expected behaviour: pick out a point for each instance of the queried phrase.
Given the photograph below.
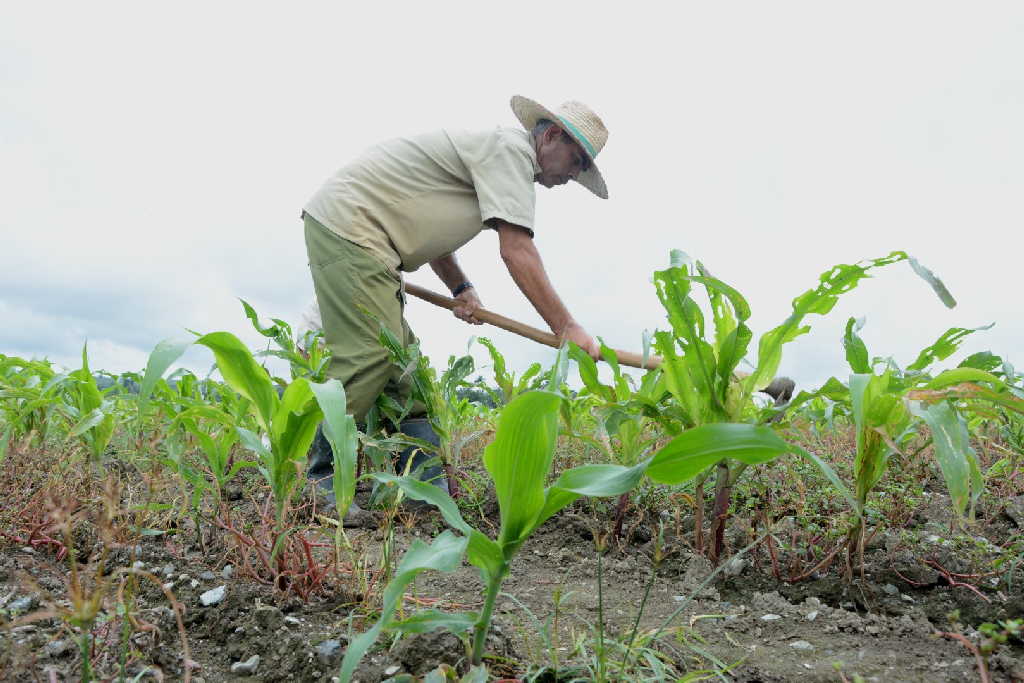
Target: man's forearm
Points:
(527, 270)
(448, 269)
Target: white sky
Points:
(154, 160)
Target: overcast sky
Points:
(154, 159)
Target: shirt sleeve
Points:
(503, 180)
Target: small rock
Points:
(811, 616)
(57, 648)
(735, 566)
(246, 668)
(801, 645)
(208, 576)
(169, 585)
(138, 565)
(292, 621)
(168, 570)
(890, 589)
(328, 652)
(29, 602)
(392, 670)
(213, 596)
(770, 617)
(29, 550)
(228, 571)
(1015, 511)
(193, 584)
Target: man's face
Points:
(560, 158)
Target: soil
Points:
(755, 626)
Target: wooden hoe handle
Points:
(633, 360)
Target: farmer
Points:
(414, 201)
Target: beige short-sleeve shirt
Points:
(412, 200)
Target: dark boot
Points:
(321, 472)
(781, 389)
(419, 428)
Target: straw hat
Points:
(582, 125)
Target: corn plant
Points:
(625, 413)
(289, 422)
(91, 416)
(701, 368)
(216, 433)
(448, 414)
(509, 386)
(518, 462)
(30, 397)
(306, 358)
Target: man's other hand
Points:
(575, 333)
(466, 305)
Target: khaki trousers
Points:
(347, 279)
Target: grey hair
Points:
(541, 126)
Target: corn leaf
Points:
(340, 431)
(161, 358)
(444, 555)
(243, 374)
(596, 481)
(425, 491)
(519, 458)
(432, 619)
(856, 351)
(944, 346)
(954, 454)
(696, 449)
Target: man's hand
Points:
(575, 333)
(466, 304)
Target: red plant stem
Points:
(825, 561)
(770, 540)
(982, 666)
(620, 514)
(698, 518)
(723, 493)
(953, 583)
(454, 490)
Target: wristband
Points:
(462, 288)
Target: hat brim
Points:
(529, 113)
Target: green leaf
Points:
(588, 373)
(983, 360)
(340, 431)
(596, 481)
(444, 554)
(936, 283)
(953, 452)
(856, 351)
(90, 420)
(165, 353)
(696, 449)
(243, 374)
(519, 459)
(486, 555)
(250, 313)
(832, 284)
(961, 375)
(425, 491)
(944, 346)
(432, 619)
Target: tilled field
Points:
(745, 623)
